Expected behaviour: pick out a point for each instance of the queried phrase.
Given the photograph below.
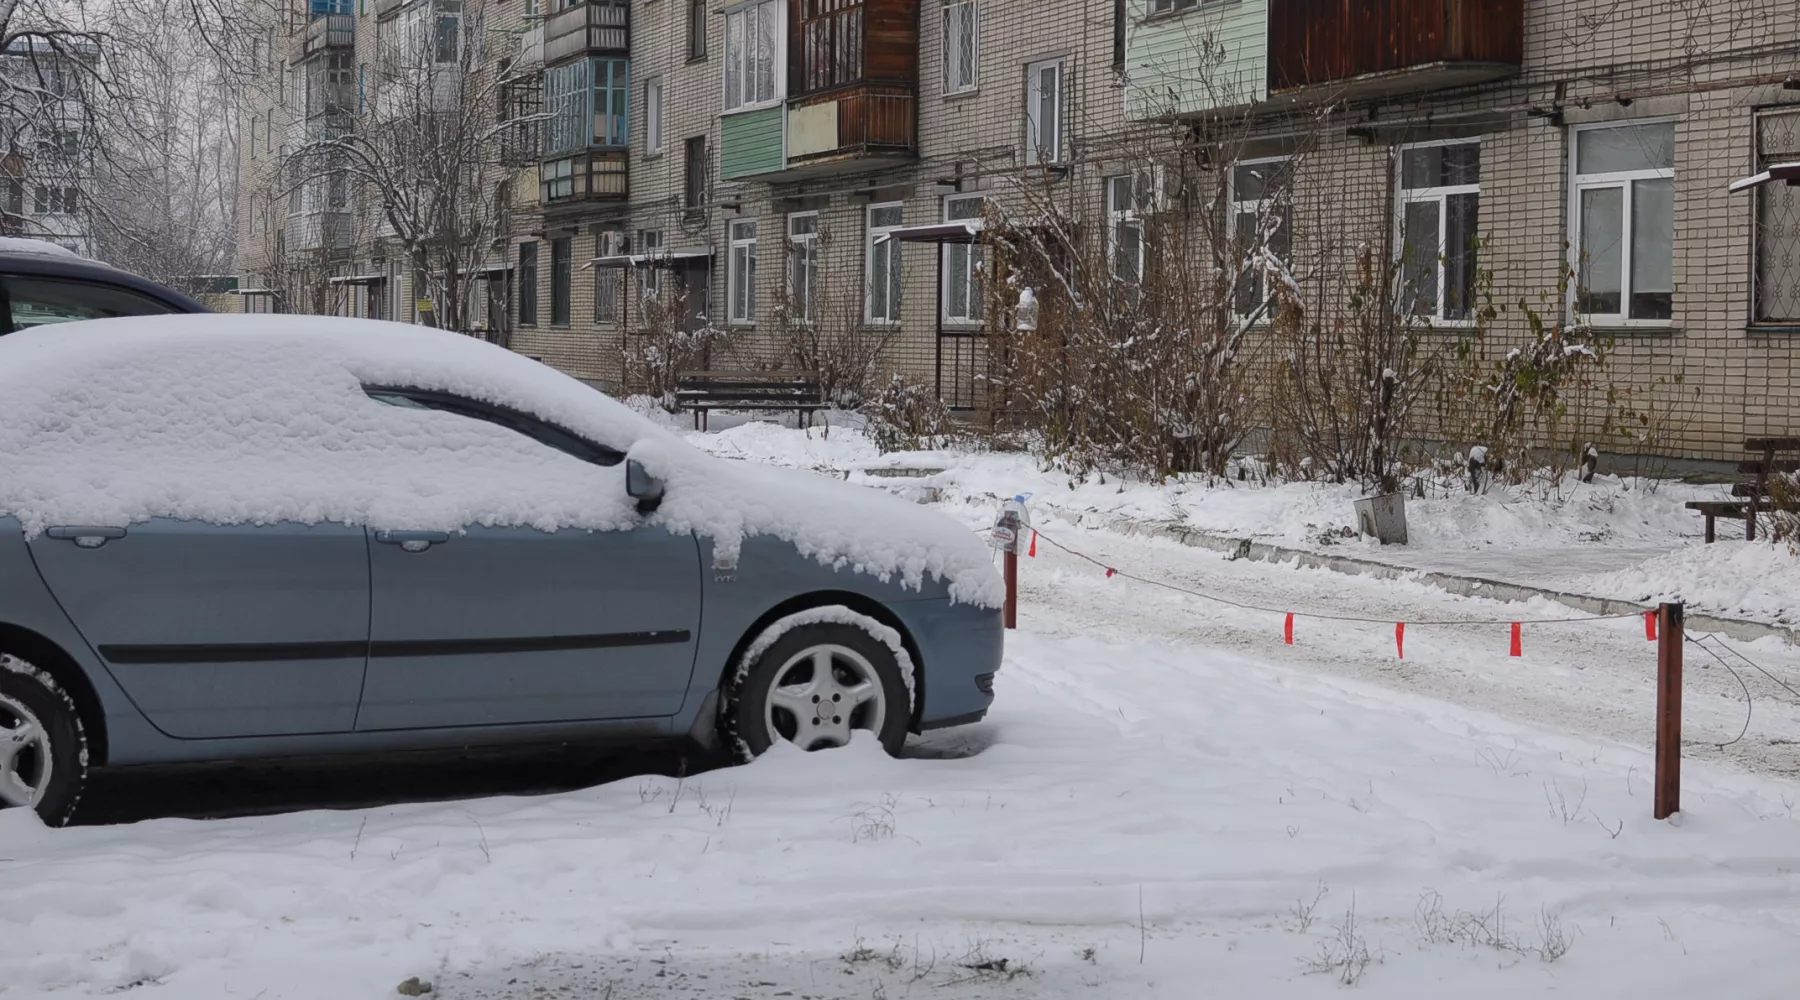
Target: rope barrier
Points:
(1114, 571)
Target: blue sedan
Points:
(228, 537)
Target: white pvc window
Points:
(1044, 112)
(741, 272)
(1126, 196)
(1439, 206)
(754, 68)
(653, 116)
(962, 46)
(882, 264)
(963, 263)
(1622, 222)
(803, 264)
(1262, 224)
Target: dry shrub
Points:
(907, 416)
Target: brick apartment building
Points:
(741, 166)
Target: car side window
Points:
(37, 300)
(540, 431)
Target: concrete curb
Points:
(1464, 586)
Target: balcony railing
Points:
(531, 46)
(328, 31)
(588, 27)
(861, 121)
(1393, 46)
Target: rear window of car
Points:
(36, 300)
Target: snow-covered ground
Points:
(1624, 538)
(1167, 801)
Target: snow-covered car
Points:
(42, 283)
(229, 537)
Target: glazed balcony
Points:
(596, 27)
(1359, 49)
(584, 178)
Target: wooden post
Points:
(1670, 637)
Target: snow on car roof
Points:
(264, 419)
(16, 244)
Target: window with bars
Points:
(753, 63)
(831, 44)
(962, 265)
(649, 279)
(1623, 222)
(1044, 112)
(1439, 201)
(740, 276)
(1776, 292)
(882, 261)
(1262, 226)
(607, 279)
(803, 264)
(962, 46)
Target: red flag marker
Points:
(1288, 631)
(1650, 625)
(1400, 639)
(1033, 552)
(1518, 647)
(1109, 572)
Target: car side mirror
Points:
(643, 487)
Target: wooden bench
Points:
(703, 392)
(1755, 493)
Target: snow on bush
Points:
(232, 419)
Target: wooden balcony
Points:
(595, 27)
(860, 127)
(1360, 49)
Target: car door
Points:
(221, 630)
(506, 625)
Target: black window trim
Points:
(8, 277)
(542, 431)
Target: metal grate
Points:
(1777, 295)
(960, 46)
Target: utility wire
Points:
(1749, 703)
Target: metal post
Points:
(1010, 562)
(1670, 637)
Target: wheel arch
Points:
(44, 654)
(826, 598)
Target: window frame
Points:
(653, 116)
(950, 7)
(562, 281)
(1169, 8)
(696, 31)
(528, 283)
(648, 242)
(802, 253)
(968, 270)
(1625, 181)
(544, 432)
(1236, 206)
(1761, 160)
(607, 279)
(740, 281)
(1034, 149)
(694, 196)
(1441, 195)
(871, 232)
(744, 59)
(1131, 215)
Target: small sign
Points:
(424, 305)
(1003, 538)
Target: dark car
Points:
(43, 283)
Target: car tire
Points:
(785, 694)
(43, 744)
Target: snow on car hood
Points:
(235, 419)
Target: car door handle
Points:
(412, 541)
(84, 536)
